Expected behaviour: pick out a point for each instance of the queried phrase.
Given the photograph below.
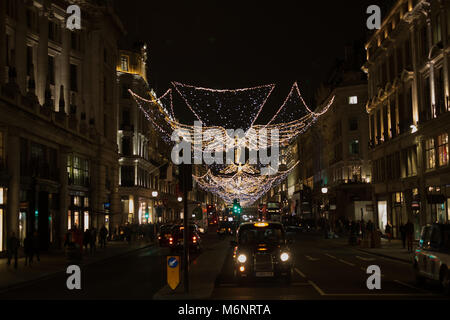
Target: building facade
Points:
(408, 71)
(58, 130)
(148, 181)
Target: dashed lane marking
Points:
(365, 259)
(300, 273)
(312, 259)
(316, 287)
(347, 263)
(329, 255)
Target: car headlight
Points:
(242, 258)
(201, 230)
(284, 256)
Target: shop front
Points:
(79, 212)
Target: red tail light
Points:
(194, 239)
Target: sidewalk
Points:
(202, 275)
(392, 250)
(56, 262)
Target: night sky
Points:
(234, 44)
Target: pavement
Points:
(55, 262)
(389, 249)
(203, 272)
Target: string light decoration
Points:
(214, 111)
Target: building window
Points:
(127, 176)
(125, 93)
(353, 124)
(51, 70)
(354, 147)
(73, 77)
(78, 171)
(442, 142)
(124, 63)
(437, 29)
(29, 60)
(353, 100)
(2, 155)
(430, 156)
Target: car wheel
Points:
(420, 280)
(445, 282)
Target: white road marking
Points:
(329, 255)
(347, 263)
(300, 273)
(312, 259)
(365, 259)
(316, 287)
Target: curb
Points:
(384, 255)
(52, 274)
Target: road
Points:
(324, 269)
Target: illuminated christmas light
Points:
(232, 181)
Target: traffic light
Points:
(236, 207)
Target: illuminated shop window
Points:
(442, 142)
(430, 154)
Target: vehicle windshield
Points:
(261, 235)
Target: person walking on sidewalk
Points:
(12, 248)
(388, 231)
(93, 239)
(103, 235)
(403, 234)
(36, 246)
(409, 230)
(28, 249)
(86, 239)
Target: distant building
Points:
(408, 70)
(147, 182)
(333, 178)
(58, 124)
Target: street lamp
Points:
(324, 190)
(180, 199)
(155, 194)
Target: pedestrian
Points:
(36, 246)
(86, 239)
(388, 231)
(12, 248)
(363, 229)
(28, 249)
(403, 234)
(103, 235)
(409, 231)
(93, 241)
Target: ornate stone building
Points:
(408, 70)
(58, 129)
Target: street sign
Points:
(173, 271)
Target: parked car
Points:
(261, 249)
(176, 240)
(432, 256)
(165, 233)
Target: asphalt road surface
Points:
(324, 269)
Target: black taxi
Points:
(261, 250)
